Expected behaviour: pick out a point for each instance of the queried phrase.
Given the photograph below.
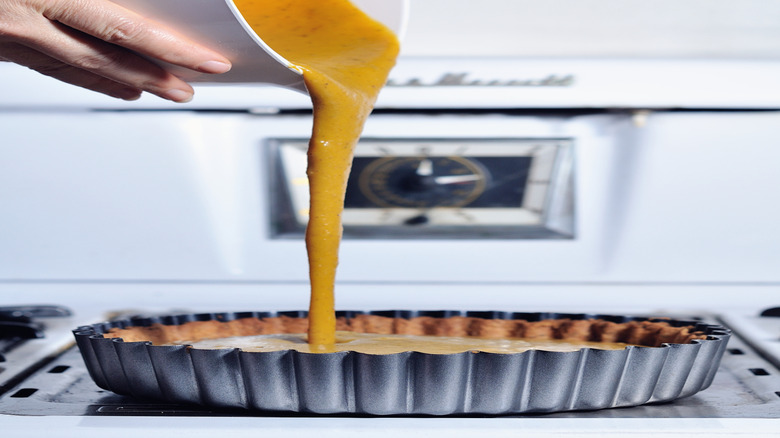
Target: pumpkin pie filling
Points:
(345, 57)
(369, 343)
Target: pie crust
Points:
(641, 333)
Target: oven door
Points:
(202, 196)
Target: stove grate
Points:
(17, 324)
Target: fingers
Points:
(101, 41)
(114, 24)
(56, 69)
(97, 57)
(115, 63)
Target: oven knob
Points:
(422, 182)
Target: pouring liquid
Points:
(345, 57)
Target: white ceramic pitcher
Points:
(218, 24)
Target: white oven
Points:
(583, 172)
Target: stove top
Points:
(53, 391)
(746, 386)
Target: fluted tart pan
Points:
(671, 359)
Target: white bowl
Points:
(217, 24)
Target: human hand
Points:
(91, 43)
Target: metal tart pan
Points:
(409, 383)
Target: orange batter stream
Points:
(345, 57)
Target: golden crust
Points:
(644, 333)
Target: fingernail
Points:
(175, 95)
(214, 67)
